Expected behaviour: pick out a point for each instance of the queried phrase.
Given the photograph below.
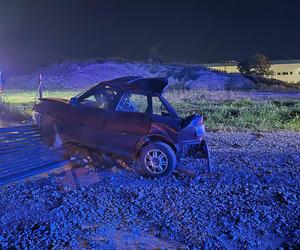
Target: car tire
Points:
(49, 131)
(157, 160)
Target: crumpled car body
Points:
(121, 116)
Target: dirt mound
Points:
(75, 75)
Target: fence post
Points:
(40, 88)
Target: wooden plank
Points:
(29, 156)
(30, 173)
(11, 160)
(28, 151)
(21, 146)
(19, 135)
(20, 139)
(24, 153)
(16, 136)
(18, 129)
(15, 132)
(31, 132)
(27, 166)
(17, 171)
(25, 148)
(14, 141)
(4, 144)
(21, 127)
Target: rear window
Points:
(158, 108)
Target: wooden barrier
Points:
(23, 154)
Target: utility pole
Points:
(40, 87)
(1, 83)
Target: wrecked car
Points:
(127, 116)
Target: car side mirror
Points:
(74, 101)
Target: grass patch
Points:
(24, 97)
(241, 114)
(225, 110)
(16, 106)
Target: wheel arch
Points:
(150, 139)
(44, 114)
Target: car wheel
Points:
(158, 159)
(49, 132)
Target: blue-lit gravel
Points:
(254, 203)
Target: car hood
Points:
(55, 99)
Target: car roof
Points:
(136, 83)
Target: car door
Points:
(127, 123)
(162, 113)
(83, 123)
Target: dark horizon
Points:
(39, 32)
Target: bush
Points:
(11, 114)
(271, 84)
(257, 64)
(260, 80)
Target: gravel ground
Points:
(252, 203)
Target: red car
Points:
(126, 116)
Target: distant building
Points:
(284, 70)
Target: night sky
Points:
(39, 31)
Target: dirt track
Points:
(253, 203)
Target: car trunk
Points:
(192, 120)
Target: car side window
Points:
(104, 98)
(100, 99)
(130, 102)
(158, 108)
(89, 101)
